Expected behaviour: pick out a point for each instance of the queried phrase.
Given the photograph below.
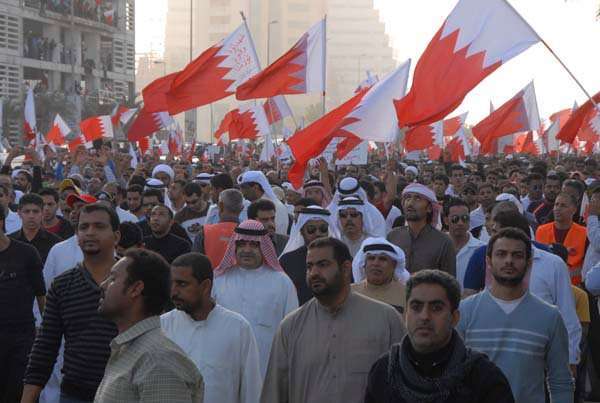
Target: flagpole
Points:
(587, 94)
(324, 61)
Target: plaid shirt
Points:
(145, 366)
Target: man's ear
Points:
(347, 268)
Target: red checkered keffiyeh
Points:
(249, 230)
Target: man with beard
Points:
(263, 211)
(425, 247)
(150, 199)
(535, 192)
(251, 282)
(432, 364)
(51, 221)
(519, 332)
(543, 213)
(322, 351)
(72, 312)
(134, 201)
(161, 240)
(355, 223)
(313, 222)
(220, 342)
(144, 364)
(176, 195)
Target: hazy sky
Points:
(569, 27)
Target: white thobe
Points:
(63, 256)
(463, 256)
(126, 216)
(224, 349)
(551, 282)
(12, 223)
(393, 214)
(263, 296)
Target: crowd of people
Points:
(166, 280)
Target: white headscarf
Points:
(164, 168)
(350, 186)
(310, 213)
(370, 227)
(153, 183)
(510, 198)
(203, 178)
(377, 246)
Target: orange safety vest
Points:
(574, 242)
(216, 239)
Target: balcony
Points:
(85, 12)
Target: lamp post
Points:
(269, 39)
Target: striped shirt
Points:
(72, 312)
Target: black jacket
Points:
(484, 383)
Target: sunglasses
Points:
(351, 215)
(464, 218)
(311, 229)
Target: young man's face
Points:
(31, 216)
(508, 262)
(50, 207)
(429, 318)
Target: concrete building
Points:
(83, 49)
(356, 41)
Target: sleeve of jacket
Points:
(493, 385)
(560, 381)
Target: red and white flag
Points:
(147, 123)
(518, 114)
(268, 150)
(155, 93)
(59, 131)
(529, 143)
(458, 148)
(29, 124)
(368, 115)
(557, 122)
(432, 135)
(249, 122)
(276, 109)
(109, 16)
(176, 141)
(143, 144)
(578, 119)
(121, 115)
(477, 37)
(97, 127)
(367, 83)
(299, 71)
(215, 74)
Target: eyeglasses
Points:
(351, 215)
(311, 229)
(464, 218)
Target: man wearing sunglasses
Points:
(313, 222)
(355, 223)
(456, 217)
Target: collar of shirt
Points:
(199, 323)
(335, 312)
(135, 331)
(425, 230)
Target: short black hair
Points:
(200, 264)
(154, 193)
(457, 167)
(131, 235)
(514, 219)
(368, 188)
(341, 253)
(259, 205)
(453, 202)
(192, 188)
(153, 270)
(221, 181)
(31, 198)
(534, 176)
(441, 278)
(4, 188)
(380, 185)
(305, 202)
(162, 205)
(510, 233)
(137, 180)
(553, 177)
(575, 184)
(50, 192)
(442, 177)
(484, 185)
(135, 189)
(112, 215)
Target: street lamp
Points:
(269, 38)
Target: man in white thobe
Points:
(220, 342)
(251, 282)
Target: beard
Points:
(510, 281)
(328, 288)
